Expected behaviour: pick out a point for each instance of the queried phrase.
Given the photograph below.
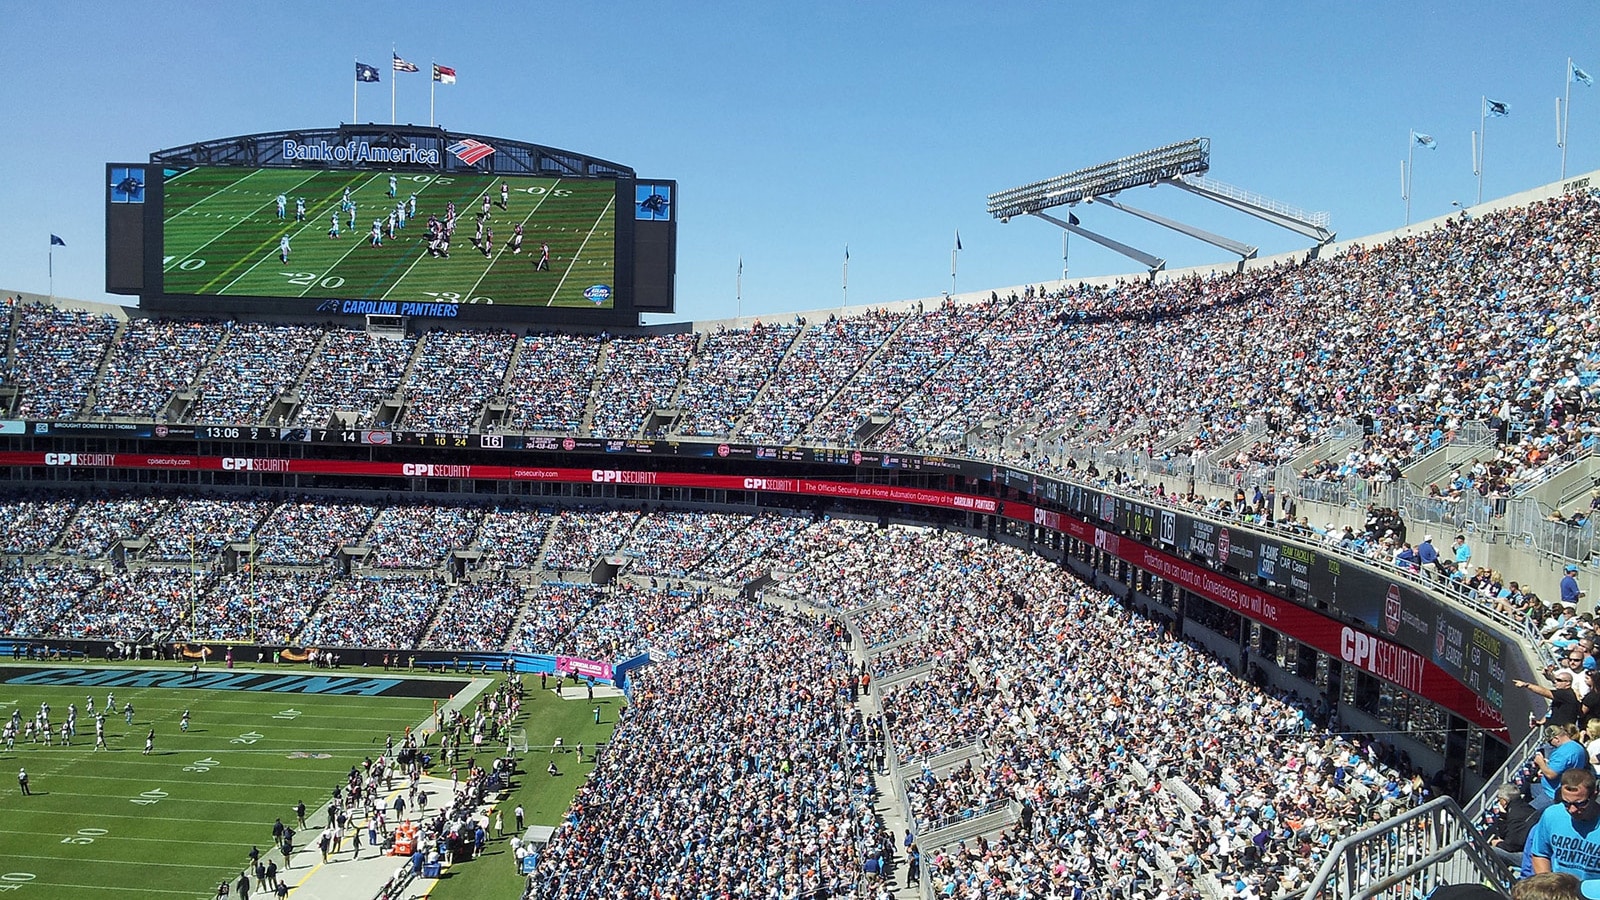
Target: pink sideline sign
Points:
(589, 667)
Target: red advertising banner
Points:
(1382, 658)
(845, 490)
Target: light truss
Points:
(1150, 167)
(1180, 165)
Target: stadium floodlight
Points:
(1151, 167)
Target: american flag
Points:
(470, 152)
(401, 65)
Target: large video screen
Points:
(407, 237)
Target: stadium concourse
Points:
(762, 755)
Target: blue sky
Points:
(797, 129)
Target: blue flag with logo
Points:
(56, 241)
(1495, 107)
(365, 72)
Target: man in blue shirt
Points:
(1570, 595)
(1428, 557)
(1567, 838)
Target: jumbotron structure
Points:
(1182, 165)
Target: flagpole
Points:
(392, 80)
(1405, 174)
(1483, 141)
(1064, 234)
(738, 291)
(1566, 110)
(52, 264)
(845, 301)
(355, 94)
(433, 79)
(953, 251)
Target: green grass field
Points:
(221, 236)
(117, 823)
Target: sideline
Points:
(359, 878)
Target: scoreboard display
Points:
(382, 236)
(416, 225)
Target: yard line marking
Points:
(388, 292)
(610, 204)
(507, 243)
(309, 223)
(362, 238)
(218, 236)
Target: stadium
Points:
(1261, 579)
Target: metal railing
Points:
(1409, 856)
(1478, 806)
(995, 816)
(1526, 520)
(1470, 511)
(1550, 469)
(1243, 195)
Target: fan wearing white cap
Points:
(1428, 557)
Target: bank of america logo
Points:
(470, 152)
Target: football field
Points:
(222, 236)
(117, 823)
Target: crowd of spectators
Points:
(766, 542)
(476, 616)
(820, 360)
(418, 535)
(582, 536)
(100, 523)
(353, 372)
(674, 544)
(62, 600)
(455, 376)
(1354, 351)
(309, 532)
(35, 598)
(264, 606)
(1055, 684)
(293, 590)
(374, 612)
(727, 374)
(197, 528)
(552, 610)
(1049, 680)
(32, 523)
(512, 538)
(1052, 682)
(630, 619)
(551, 382)
(896, 577)
(55, 354)
(723, 784)
(153, 360)
(919, 348)
(639, 376)
(256, 366)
